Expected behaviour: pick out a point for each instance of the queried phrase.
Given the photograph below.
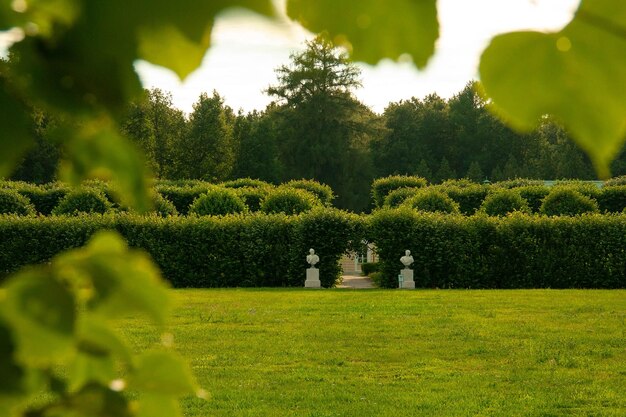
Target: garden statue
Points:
(312, 273)
(406, 279)
(312, 258)
(407, 259)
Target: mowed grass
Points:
(400, 353)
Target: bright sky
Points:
(247, 48)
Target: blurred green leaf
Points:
(37, 15)
(153, 405)
(96, 337)
(98, 347)
(15, 137)
(96, 151)
(88, 368)
(374, 29)
(41, 313)
(123, 280)
(166, 46)
(93, 400)
(576, 75)
(162, 373)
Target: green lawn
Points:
(401, 353)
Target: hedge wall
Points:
(238, 250)
(518, 251)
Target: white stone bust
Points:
(312, 258)
(407, 259)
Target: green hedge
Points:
(469, 197)
(518, 251)
(12, 202)
(183, 197)
(238, 250)
(323, 192)
(381, 187)
(612, 199)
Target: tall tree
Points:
(157, 127)
(323, 131)
(257, 152)
(207, 150)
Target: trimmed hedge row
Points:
(518, 251)
(253, 250)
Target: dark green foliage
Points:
(218, 202)
(230, 251)
(289, 201)
(612, 199)
(534, 195)
(517, 251)
(253, 196)
(432, 200)
(381, 187)
(162, 206)
(183, 197)
(399, 196)
(323, 192)
(245, 182)
(469, 197)
(503, 202)
(83, 200)
(368, 268)
(11, 202)
(567, 202)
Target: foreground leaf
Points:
(41, 313)
(162, 373)
(122, 280)
(577, 75)
(374, 29)
(99, 152)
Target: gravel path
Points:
(356, 282)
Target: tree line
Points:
(315, 128)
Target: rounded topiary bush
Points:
(217, 202)
(83, 200)
(434, 201)
(567, 202)
(534, 195)
(397, 197)
(162, 206)
(322, 191)
(381, 187)
(253, 196)
(289, 201)
(244, 182)
(469, 197)
(12, 202)
(503, 202)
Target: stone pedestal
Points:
(407, 279)
(312, 278)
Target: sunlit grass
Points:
(400, 353)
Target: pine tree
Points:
(444, 172)
(475, 172)
(424, 171)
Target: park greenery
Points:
(70, 96)
(317, 129)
